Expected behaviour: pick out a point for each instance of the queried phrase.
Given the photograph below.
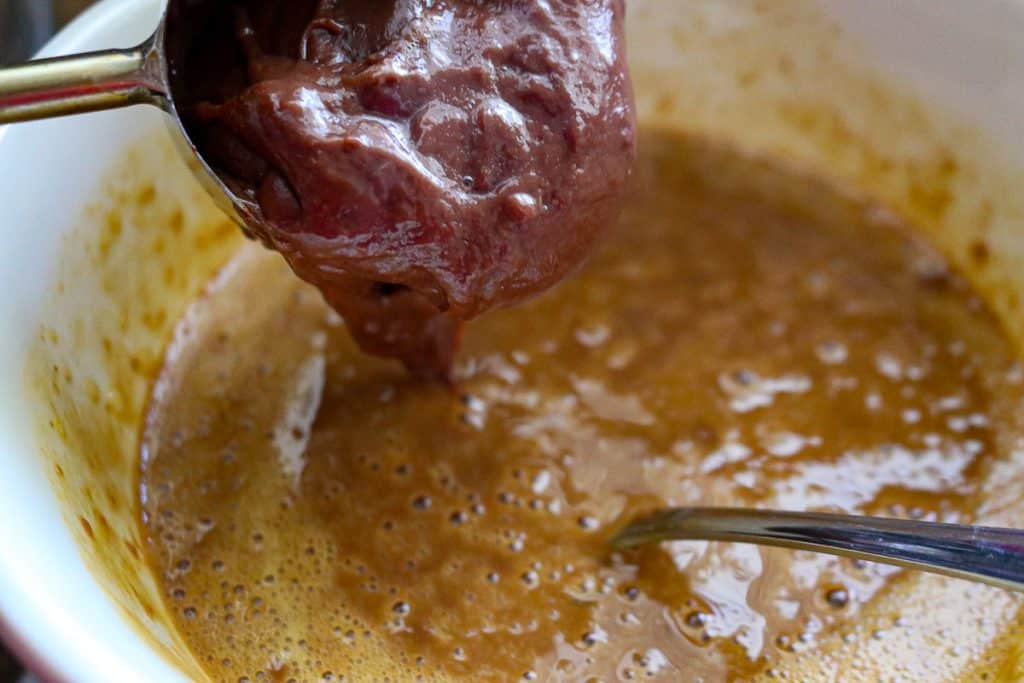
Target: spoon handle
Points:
(985, 554)
(81, 83)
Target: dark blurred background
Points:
(24, 26)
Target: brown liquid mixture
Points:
(748, 336)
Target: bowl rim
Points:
(91, 656)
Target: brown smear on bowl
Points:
(146, 247)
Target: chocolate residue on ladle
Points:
(419, 162)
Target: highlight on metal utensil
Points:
(149, 73)
(984, 554)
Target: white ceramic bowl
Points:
(773, 77)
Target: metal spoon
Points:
(984, 554)
(149, 73)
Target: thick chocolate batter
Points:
(421, 161)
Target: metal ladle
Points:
(984, 554)
(149, 73)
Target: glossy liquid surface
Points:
(746, 337)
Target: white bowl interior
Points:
(776, 78)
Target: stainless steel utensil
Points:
(985, 554)
(149, 73)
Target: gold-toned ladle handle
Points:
(984, 554)
(82, 83)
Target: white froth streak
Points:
(293, 429)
